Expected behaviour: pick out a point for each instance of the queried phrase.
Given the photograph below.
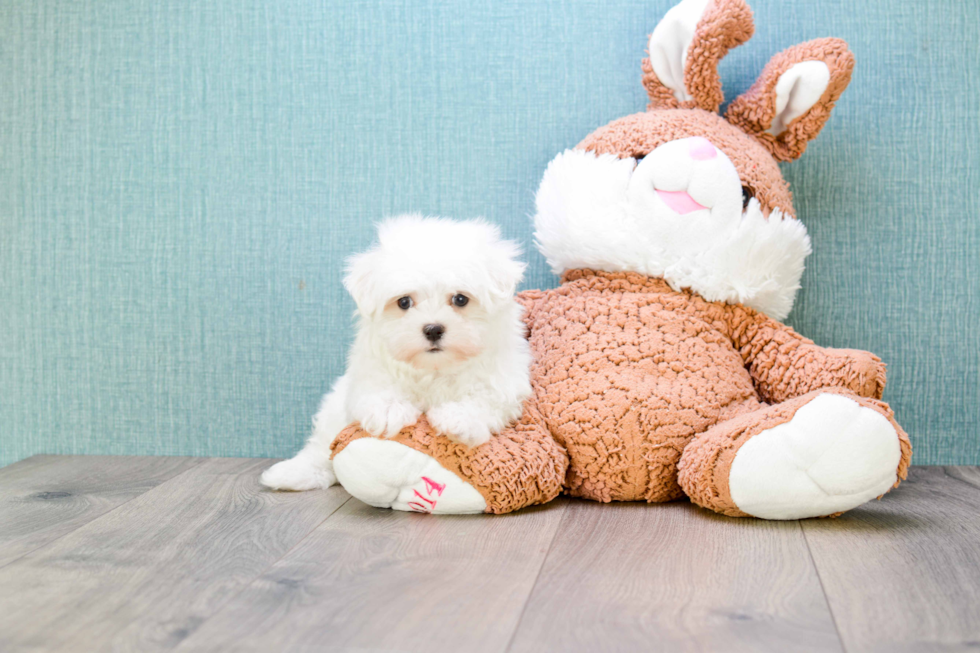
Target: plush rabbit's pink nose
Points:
(701, 149)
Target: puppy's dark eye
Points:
(405, 303)
(460, 300)
(747, 194)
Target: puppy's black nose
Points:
(433, 332)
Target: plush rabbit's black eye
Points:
(460, 300)
(405, 303)
(747, 194)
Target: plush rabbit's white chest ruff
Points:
(671, 218)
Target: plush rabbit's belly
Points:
(625, 380)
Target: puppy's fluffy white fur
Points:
(470, 382)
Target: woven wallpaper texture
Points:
(180, 182)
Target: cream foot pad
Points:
(832, 456)
(387, 474)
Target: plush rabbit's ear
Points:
(685, 48)
(790, 102)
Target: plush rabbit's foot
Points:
(387, 474)
(832, 456)
(817, 455)
(423, 471)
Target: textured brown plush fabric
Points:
(520, 466)
(726, 24)
(707, 461)
(628, 371)
(784, 364)
(639, 134)
(754, 110)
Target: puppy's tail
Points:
(312, 468)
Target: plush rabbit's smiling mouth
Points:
(679, 201)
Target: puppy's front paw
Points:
(389, 418)
(460, 423)
(400, 415)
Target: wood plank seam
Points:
(212, 495)
(904, 573)
(37, 460)
(633, 577)
(816, 569)
(391, 581)
(537, 576)
(194, 464)
(955, 477)
(245, 586)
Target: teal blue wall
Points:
(180, 181)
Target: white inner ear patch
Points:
(797, 90)
(669, 44)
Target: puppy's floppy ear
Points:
(791, 101)
(503, 268)
(360, 282)
(508, 271)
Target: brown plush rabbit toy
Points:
(660, 366)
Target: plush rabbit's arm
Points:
(783, 364)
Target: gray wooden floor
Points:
(191, 554)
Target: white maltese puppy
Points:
(439, 332)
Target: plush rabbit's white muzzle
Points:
(686, 175)
(676, 214)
